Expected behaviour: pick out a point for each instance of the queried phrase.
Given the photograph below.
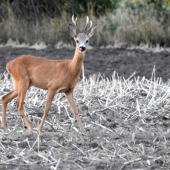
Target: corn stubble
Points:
(127, 123)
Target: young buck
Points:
(56, 76)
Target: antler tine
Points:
(91, 23)
(87, 21)
(75, 24)
(74, 20)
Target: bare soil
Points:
(124, 61)
(124, 137)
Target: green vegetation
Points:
(134, 22)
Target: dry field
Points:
(127, 121)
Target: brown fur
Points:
(55, 76)
(52, 75)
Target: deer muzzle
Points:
(82, 48)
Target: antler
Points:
(87, 21)
(86, 29)
(74, 21)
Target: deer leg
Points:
(21, 95)
(73, 106)
(5, 100)
(49, 99)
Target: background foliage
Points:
(133, 22)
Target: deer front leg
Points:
(73, 106)
(49, 100)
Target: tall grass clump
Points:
(49, 30)
(140, 27)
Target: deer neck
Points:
(77, 60)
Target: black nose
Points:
(82, 48)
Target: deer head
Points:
(81, 39)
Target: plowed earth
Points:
(127, 120)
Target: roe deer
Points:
(59, 76)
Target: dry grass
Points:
(127, 121)
(141, 27)
(133, 27)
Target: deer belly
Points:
(39, 82)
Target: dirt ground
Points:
(122, 135)
(124, 61)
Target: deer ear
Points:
(91, 31)
(73, 31)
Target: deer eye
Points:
(77, 41)
(87, 41)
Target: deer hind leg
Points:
(22, 89)
(49, 100)
(5, 100)
(73, 106)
